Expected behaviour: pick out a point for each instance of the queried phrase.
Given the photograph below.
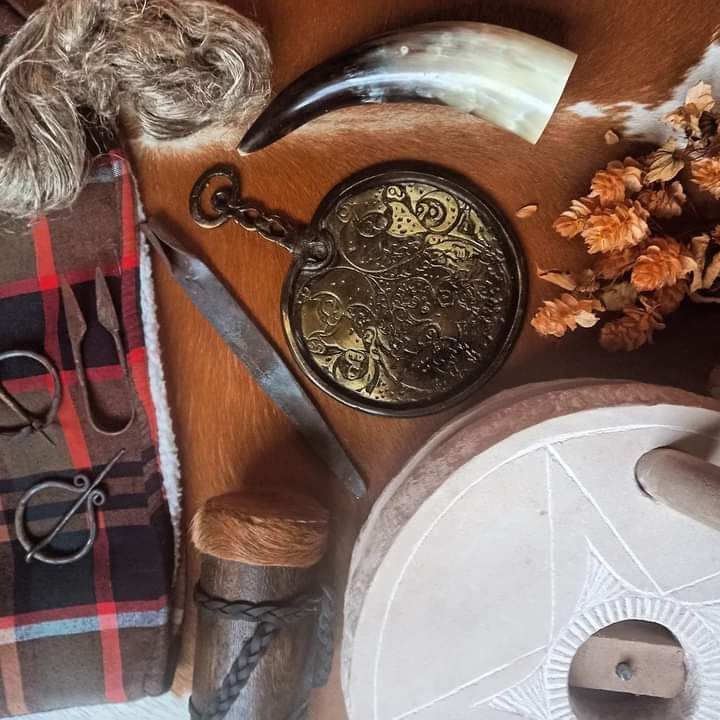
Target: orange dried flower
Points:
(608, 187)
(614, 229)
(556, 317)
(639, 278)
(664, 203)
(572, 221)
(618, 296)
(670, 297)
(583, 282)
(686, 118)
(633, 330)
(698, 247)
(706, 173)
(631, 172)
(665, 163)
(612, 265)
(662, 263)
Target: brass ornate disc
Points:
(420, 300)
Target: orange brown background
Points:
(229, 433)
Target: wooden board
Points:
(651, 657)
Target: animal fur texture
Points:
(229, 433)
(162, 69)
(262, 529)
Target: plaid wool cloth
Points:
(100, 629)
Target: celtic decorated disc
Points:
(420, 299)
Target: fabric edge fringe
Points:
(167, 447)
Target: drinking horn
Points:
(509, 78)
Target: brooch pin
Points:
(90, 495)
(32, 424)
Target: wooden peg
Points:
(683, 482)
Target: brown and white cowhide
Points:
(229, 434)
(642, 120)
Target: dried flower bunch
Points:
(641, 270)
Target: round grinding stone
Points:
(516, 534)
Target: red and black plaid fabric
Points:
(98, 630)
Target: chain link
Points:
(314, 248)
(271, 227)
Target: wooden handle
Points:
(257, 548)
(685, 483)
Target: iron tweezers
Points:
(254, 350)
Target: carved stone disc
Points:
(512, 537)
(419, 303)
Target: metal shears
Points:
(77, 330)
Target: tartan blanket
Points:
(101, 629)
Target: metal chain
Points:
(313, 246)
(271, 227)
(270, 618)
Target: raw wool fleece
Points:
(167, 68)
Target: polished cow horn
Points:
(504, 76)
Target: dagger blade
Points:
(254, 350)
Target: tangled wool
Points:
(168, 68)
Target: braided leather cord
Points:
(270, 618)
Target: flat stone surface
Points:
(513, 537)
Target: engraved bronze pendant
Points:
(407, 290)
